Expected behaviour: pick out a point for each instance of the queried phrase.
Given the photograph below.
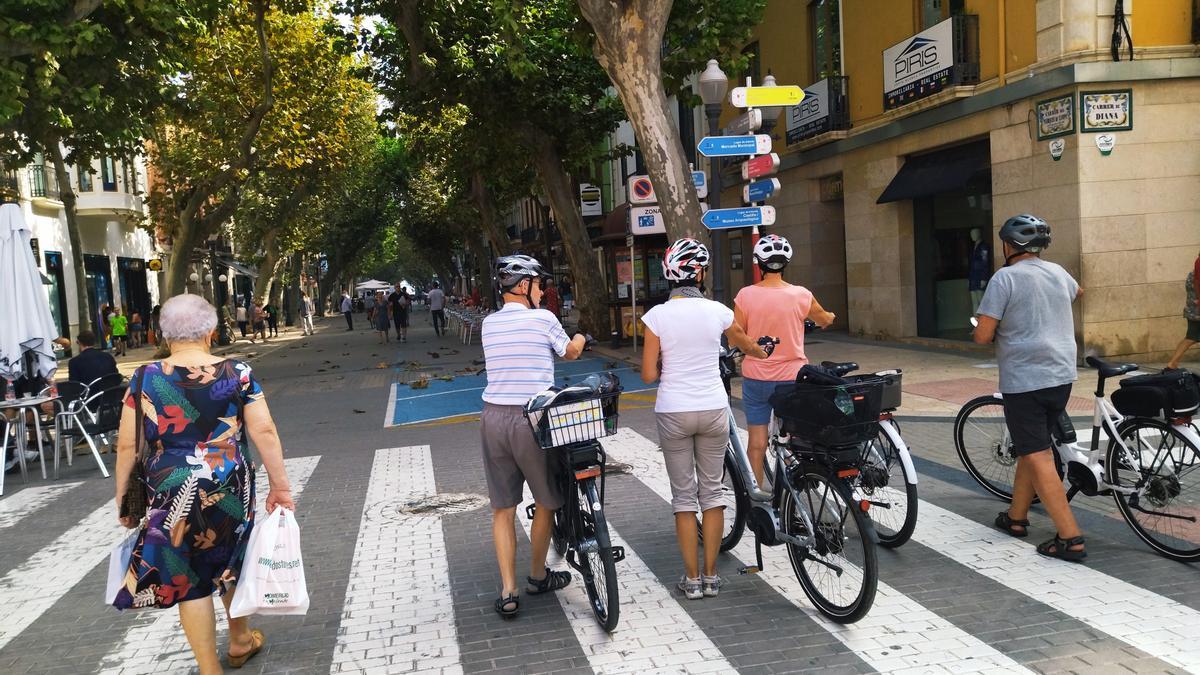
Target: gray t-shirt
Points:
(1035, 341)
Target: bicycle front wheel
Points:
(1157, 486)
(596, 561)
(838, 571)
(884, 481)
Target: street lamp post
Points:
(713, 85)
(219, 290)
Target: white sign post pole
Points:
(633, 324)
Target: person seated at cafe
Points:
(91, 363)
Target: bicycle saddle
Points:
(839, 369)
(1108, 369)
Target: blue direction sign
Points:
(760, 190)
(720, 219)
(734, 146)
(701, 182)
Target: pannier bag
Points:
(1170, 394)
(821, 410)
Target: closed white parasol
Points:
(26, 327)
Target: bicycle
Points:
(813, 508)
(568, 423)
(888, 477)
(1144, 467)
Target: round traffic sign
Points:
(642, 188)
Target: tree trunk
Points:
(629, 48)
(487, 215)
(67, 195)
(590, 294)
(266, 269)
(295, 302)
(182, 242)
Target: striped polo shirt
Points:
(519, 345)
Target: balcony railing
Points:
(42, 182)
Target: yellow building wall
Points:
(989, 35)
(1162, 22)
(1020, 30)
(868, 28)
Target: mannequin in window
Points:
(980, 268)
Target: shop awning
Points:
(936, 172)
(241, 268)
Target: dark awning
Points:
(239, 267)
(942, 171)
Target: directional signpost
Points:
(701, 182)
(753, 97)
(746, 123)
(720, 219)
(760, 190)
(760, 166)
(734, 146)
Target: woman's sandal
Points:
(257, 639)
(1061, 549)
(1006, 523)
(507, 606)
(551, 582)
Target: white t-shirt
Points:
(689, 332)
(437, 299)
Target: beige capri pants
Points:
(693, 445)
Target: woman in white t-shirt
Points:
(691, 406)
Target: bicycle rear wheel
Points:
(737, 506)
(885, 482)
(839, 572)
(597, 563)
(1163, 468)
(984, 447)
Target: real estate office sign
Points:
(919, 66)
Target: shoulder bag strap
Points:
(139, 379)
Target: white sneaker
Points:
(711, 585)
(692, 588)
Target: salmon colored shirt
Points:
(778, 312)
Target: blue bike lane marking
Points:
(462, 395)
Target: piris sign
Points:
(919, 66)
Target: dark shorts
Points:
(401, 318)
(1193, 331)
(1031, 416)
(511, 457)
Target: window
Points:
(84, 170)
(933, 12)
(753, 65)
(108, 174)
(824, 21)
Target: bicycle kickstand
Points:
(1072, 491)
(754, 569)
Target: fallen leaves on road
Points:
(422, 383)
(381, 365)
(359, 411)
(611, 364)
(434, 355)
(446, 378)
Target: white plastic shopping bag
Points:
(118, 565)
(272, 577)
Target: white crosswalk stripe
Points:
(21, 504)
(156, 643)
(410, 628)
(898, 633)
(655, 634)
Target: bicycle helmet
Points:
(684, 259)
(772, 253)
(1026, 233)
(512, 269)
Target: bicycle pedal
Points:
(530, 510)
(618, 553)
(749, 569)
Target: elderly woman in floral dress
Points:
(199, 480)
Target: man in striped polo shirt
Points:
(519, 344)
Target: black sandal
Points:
(1061, 548)
(507, 606)
(553, 581)
(1006, 523)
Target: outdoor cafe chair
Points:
(98, 416)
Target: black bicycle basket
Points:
(830, 415)
(577, 421)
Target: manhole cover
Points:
(443, 504)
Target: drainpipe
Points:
(1002, 62)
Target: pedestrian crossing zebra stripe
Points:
(30, 499)
(654, 633)
(895, 634)
(156, 643)
(409, 628)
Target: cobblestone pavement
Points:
(399, 561)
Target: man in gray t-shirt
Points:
(1027, 311)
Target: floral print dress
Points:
(200, 484)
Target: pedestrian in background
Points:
(348, 310)
(242, 321)
(105, 327)
(437, 309)
(550, 299)
(135, 329)
(400, 303)
(260, 322)
(155, 331)
(306, 313)
(119, 324)
(1191, 312)
(272, 313)
(382, 322)
(369, 304)
(194, 538)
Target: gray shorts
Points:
(511, 457)
(693, 445)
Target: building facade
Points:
(927, 123)
(116, 250)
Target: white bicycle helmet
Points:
(511, 269)
(684, 259)
(773, 253)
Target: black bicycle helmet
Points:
(1026, 233)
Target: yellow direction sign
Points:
(755, 97)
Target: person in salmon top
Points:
(772, 307)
